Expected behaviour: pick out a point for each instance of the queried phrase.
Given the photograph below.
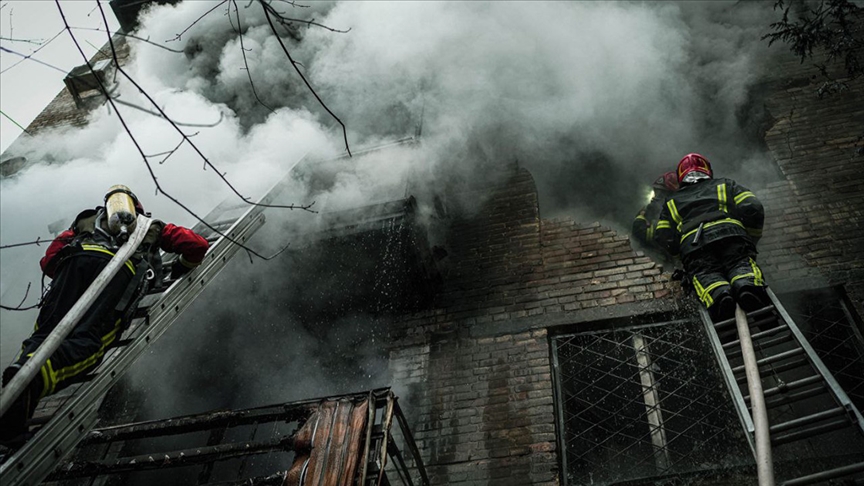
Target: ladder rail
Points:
(835, 389)
(31, 367)
(729, 377)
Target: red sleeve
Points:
(190, 245)
(47, 262)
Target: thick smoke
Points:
(595, 98)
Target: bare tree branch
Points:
(44, 45)
(159, 188)
(27, 41)
(267, 11)
(31, 58)
(245, 61)
(171, 152)
(178, 36)
(130, 36)
(161, 114)
(18, 307)
(285, 20)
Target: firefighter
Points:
(645, 222)
(714, 225)
(73, 261)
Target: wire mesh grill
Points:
(831, 329)
(643, 402)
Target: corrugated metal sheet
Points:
(329, 445)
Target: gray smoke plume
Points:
(595, 98)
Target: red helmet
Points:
(667, 182)
(691, 163)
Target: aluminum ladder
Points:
(793, 372)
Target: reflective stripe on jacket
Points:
(722, 207)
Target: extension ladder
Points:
(791, 372)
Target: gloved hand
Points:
(178, 269)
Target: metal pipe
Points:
(165, 460)
(31, 367)
(651, 397)
(764, 463)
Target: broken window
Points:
(643, 402)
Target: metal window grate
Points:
(827, 321)
(643, 402)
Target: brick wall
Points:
(815, 219)
(62, 111)
(475, 370)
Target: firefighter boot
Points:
(751, 298)
(14, 431)
(723, 307)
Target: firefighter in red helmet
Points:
(73, 261)
(714, 225)
(645, 222)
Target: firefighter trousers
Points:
(97, 330)
(723, 267)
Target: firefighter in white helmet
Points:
(74, 260)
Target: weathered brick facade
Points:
(478, 367)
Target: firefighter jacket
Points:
(89, 233)
(645, 222)
(721, 207)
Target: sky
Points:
(595, 99)
(27, 87)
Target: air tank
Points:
(120, 211)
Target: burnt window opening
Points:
(643, 402)
(373, 259)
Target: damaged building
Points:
(509, 348)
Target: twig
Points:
(245, 62)
(28, 41)
(162, 115)
(44, 45)
(13, 121)
(35, 242)
(283, 19)
(267, 8)
(169, 153)
(18, 307)
(178, 36)
(130, 36)
(31, 58)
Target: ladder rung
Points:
(772, 359)
(809, 419)
(792, 385)
(759, 335)
(810, 432)
(826, 475)
(789, 365)
(781, 326)
(756, 313)
(795, 397)
(768, 343)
